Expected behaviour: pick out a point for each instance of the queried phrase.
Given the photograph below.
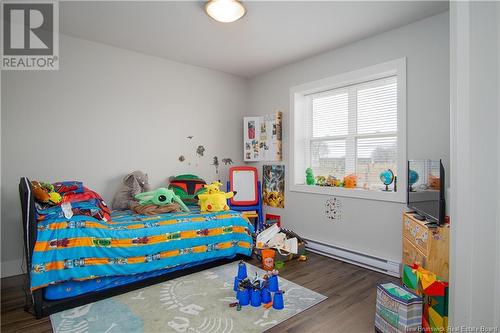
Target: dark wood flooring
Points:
(350, 306)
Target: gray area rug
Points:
(196, 303)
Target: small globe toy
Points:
(412, 178)
(387, 177)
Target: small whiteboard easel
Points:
(243, 180)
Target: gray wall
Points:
(106, 112)
(475, 148)
(368, 226)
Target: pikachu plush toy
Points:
(214, 200)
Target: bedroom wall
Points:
(107, 112)
(475, 149)
(368, 226)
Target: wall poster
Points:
(262, 138)
(273, 189)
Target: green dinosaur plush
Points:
(160, 197)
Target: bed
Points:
(76, 261)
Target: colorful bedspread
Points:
(85, 248)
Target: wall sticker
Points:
(333, 209)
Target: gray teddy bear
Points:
(133, 184)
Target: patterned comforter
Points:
(85, 248)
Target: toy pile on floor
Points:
(275, 245)
(257, 292)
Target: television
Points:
(426, 190)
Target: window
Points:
(352, 124)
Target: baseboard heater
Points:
(356, 258)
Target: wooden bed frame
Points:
(44, 307)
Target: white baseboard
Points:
(12, 267)
(356, 258)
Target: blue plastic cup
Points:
(242, 270)
(266, 296)
(278, 303)
(236, 283)
(273, 283)
(243, 296)
(255, 298)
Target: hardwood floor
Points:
(350, 306)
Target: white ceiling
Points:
(270, 35)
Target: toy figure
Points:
(45, 193)
(214, 200)
(309, 177)
(321, 180)
(350, 181)
(160, 197)
(331, 181)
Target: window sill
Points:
(357, 193)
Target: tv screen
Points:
(426, 189)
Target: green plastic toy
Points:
(279, 264)
(309, 177)
(160, 197)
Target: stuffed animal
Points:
(44, 193)
(187, 187)
(151, 209)
(160, 197)
(214, 200)
(133, 184)
(213, 188)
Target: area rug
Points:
(196, 303)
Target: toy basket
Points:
(398, 310)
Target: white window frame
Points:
(299, 134)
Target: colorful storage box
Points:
(398, 309)
(435, 295)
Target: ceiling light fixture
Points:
(225, 11)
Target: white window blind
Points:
(354, 130)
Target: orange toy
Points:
(351, 181)
(434, 182)
(45, 193)
(268, 259)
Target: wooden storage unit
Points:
(427, 247)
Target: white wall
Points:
(475, 156)
(107, 112)
(371, 227)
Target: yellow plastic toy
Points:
(214, 200)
